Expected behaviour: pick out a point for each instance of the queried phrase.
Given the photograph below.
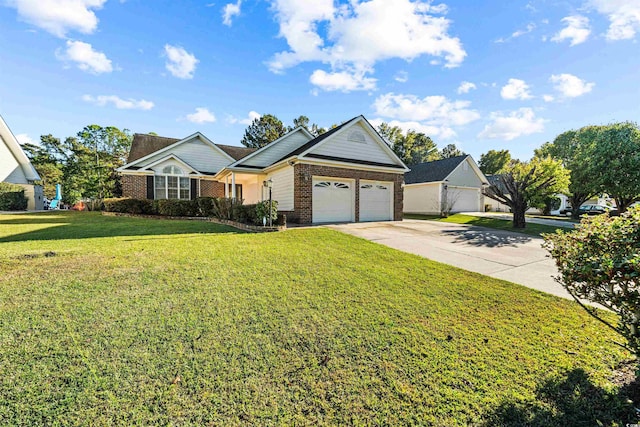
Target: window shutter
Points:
(194, 188)
(150, 188)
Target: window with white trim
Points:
(172, 184)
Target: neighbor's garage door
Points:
(376, 201)
(333, 200)
(464, 199)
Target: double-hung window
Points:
(172, 184)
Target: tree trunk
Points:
(623, 203)
(577, 200)
(518, 215)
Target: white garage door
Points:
(376, 201)
(464, 199)
(333, 200)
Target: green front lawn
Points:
(495, 223)
(121, 321)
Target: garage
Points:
(463, 199)
(376, 201)
(333, 200)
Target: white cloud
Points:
(465, 87)
(344, 81)
(577, 30)
(119, 103)
(180, 63)
(352, 38)
(85, 57)
(518, 33)
(229, 11)
(570, 86)
(23, 138)
(246, 121)
(529, 28)
(624, 17)
(401, 76)
(202, 115)
(548, 98)
(512, 125)
(436, 113)
(515, 89)
(59, 16)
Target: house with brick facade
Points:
(347, 174)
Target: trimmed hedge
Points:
(214, 207)
(12, 197)
(131, 206)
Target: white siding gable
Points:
(354, 142)
(198, 154)
(289, 143)
(170, 162)
(465, 176)
(282, 189)
(10, 169)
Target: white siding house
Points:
(16, 168)
(444, 186)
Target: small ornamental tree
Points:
(526, 184)
(600, 262)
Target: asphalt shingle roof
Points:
(144, 144)
(432, 171)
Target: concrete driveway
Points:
(504, 255)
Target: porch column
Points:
(226, 186)
(233, 185)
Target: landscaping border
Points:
(234, 224)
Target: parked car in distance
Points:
(566, 211)
(597, 210)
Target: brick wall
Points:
(134, 186)
(303, 189)
(210, 188)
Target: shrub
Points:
(225, 207)
(205, 206)
(262, 211)
(245, 214)
(130, 206)
(600, 262)
(12, 197)
(170, 207)
(94, 204)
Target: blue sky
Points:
(481, 74)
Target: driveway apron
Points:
(505, 255)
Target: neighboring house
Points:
(449, 185)
(344, 175)
(16, 168)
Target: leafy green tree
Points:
(110, 147)
(493, 161)
(600, 262)
(527, 184)
(49, 167)
(263, 131)
(615, 158)
(451, 151)
(86, 164)
(574, 149)
(303, 121)
(412, 147)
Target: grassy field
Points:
(122, 321)
(495, 223)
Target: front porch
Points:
(244, 185)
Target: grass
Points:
(532, 229)
(124, 321)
